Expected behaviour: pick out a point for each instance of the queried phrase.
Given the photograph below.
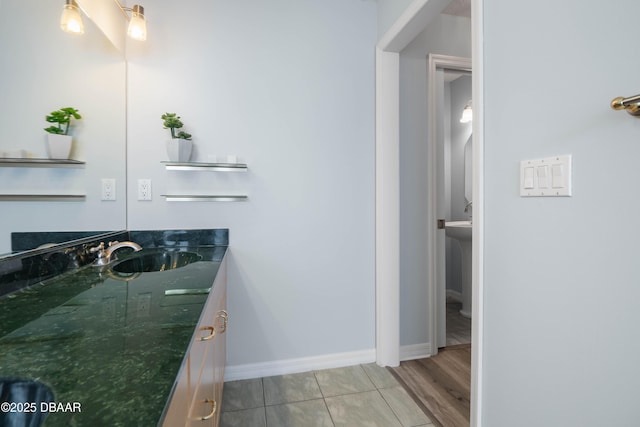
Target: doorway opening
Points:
(414, 20)
(457, 141)
(449, 147)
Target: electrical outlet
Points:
(144, 189)
(108, 189)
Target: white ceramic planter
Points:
(58, 146)
(179, 150)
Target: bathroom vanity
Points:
(131, 343)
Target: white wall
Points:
(44, 69)
(447, 35)
(561, 275)
(288, 87)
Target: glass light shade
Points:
(137, 24)
(71, 19)
(467, 114)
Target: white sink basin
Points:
(460, 230)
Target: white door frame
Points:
(415, 19)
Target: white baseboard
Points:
(314, 363)
(415, 351)
(303, 364)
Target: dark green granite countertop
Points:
(113, 342)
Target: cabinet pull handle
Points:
(212, 333)
(225, 317)
(213, 410)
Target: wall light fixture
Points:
(467, 113)
(137, 29)
(71, 18)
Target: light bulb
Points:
(467, 113)
(137, 25)
(71, 18)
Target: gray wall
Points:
(287, 86)
(446, 35)
(562, 287)
(388, 12)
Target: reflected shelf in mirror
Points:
(40, 163)
(43, 197)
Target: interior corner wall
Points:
(447, 35)
(288, 87)
(561, 287)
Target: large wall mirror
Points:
(43, 69)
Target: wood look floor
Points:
(441, 384)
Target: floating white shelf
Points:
(213, 167)
(204, 198)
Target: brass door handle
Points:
(225, 317)
(212, 333)
(214, 408)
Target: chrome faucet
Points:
(468, 206)
(104, 254)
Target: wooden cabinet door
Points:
(206, 406)
(197, 399)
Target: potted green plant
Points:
(180, 145)
(58, 138)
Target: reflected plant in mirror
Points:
(58, 139)
(62, 117)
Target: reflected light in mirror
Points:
(467, 113)
(71, 19)
(137, 25)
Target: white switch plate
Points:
(108, 189)
(548, 177)
(144, 189)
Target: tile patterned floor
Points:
(354, 396)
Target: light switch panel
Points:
(548, 177)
